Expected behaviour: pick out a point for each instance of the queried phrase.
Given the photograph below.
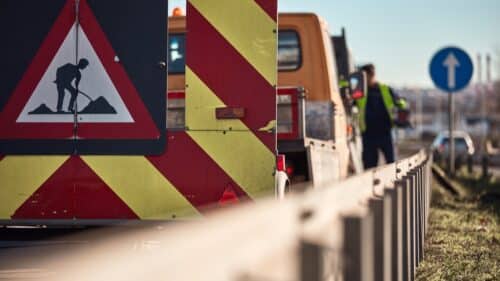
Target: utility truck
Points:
(314, 127)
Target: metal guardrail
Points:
(369, 227)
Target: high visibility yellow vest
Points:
(343, 83)
(388, 102)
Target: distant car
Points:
(464, 147)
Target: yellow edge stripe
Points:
(141, 186)
(239, 153)
(201, 103)
(248, 28)
(21, 176)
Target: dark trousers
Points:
(60, 96)
(371, 146)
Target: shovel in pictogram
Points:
(97, 106)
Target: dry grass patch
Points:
(463, 242)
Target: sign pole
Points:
(451, 138)
(480, 94)
(451, 70)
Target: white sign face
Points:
(56, 97)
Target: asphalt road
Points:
(23, 250)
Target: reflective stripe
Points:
(244, 41)
(242, 156)
(236, 82)
(21, 177)
(141, 186)
(200, 109)
(361, 103)
(239, 153)
(248, 28)
(388, 101)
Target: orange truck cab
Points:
(312, 119)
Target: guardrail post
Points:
(396, 196)
(358, 247)
(424, 190)
(404, 184)
(420, 216)
(413, 225)
(381, 210)
(417, 216)
(421, 210)
(311, 263)
(430, 161)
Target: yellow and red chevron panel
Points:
(177, 184)
(231, 63)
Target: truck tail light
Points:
(356, 95)
(280, 162)
(350, 130)
(228, 197)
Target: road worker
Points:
(64, 77)
(376, 118)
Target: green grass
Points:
(463, 242)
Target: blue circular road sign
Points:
(451, 69)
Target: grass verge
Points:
(463, 241)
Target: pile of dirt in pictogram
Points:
(42, 109)
(98, 106)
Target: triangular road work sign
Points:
(76, 87)
(97, 101)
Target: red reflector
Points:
(229, 113)
(280, 162)
(289, 171)
(349, 130)
(357, 95)
(228, 197)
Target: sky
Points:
(400, 36)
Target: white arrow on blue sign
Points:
(451, 69)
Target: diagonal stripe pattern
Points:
(135, 180)
(239, 42)
(240, 153)
(21, 176)
(235, 82)
(248, 28)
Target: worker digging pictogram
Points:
(66, 75)
(77, 75)
(82, 85)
